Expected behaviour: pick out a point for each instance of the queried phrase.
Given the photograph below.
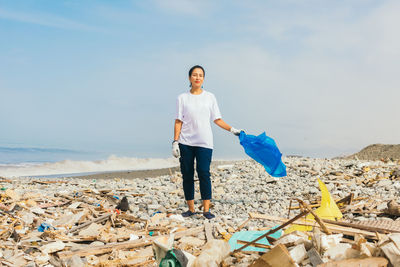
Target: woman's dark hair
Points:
(196, 67)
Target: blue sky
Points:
(320, 77)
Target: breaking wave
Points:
(112, 163)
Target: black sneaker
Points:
(187, 213)
(208, 215)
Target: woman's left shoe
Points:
(188, 213)
(208, 215)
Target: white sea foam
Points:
(113, 163)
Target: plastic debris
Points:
(263, 149)
(249, 236)
(44, 227)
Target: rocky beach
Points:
(156, 199)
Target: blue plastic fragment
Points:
(250, 236)
(45, 226)
(154, 213)
(116, 197)
(263, 149)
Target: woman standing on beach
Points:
(193, 138)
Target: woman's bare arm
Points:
(221, 123)
(177, 129)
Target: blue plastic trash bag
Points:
(263, 149)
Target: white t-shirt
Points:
(196, 111)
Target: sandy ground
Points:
(141, 173)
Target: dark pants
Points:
(203, 160)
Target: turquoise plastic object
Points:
(263, 149)
(250, 236)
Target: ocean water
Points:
(20, 162)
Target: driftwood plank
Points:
(362, 227)
(257, 245)
(99, 219)
(208, 230)
(373, 261)
(95, 250)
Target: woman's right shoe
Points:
(187, 213)
(208, 215)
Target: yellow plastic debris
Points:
(366, 169)
(328, 210)
(226, 236)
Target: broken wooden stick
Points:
(348, 199)
(290, 208)
(243, 225)
(95, 250)
(130, 218)
(257, 245)
(334, 228)
(271, 231)
(316, 217)
(99, 219)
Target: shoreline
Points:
(134, 174)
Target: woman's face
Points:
(197, 78)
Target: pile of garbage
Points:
(47, 225)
